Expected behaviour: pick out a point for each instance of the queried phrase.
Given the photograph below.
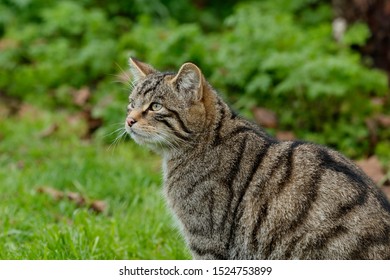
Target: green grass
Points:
(34, 225)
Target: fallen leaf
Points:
(285, 135)
(372, 168)
(76, 197)
(8, 44)
(265, 117)
(53, 193)
(8, 105)
(75, 119)
(98, 206)
(93, 123)
(383, 120)
(378, 101)
(81, 96)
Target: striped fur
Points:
(239, 193)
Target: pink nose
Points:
(130, 121)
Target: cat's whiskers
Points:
(124, 78)
(119, 129)
(127, 84)
(163, 139)
(172, 141)
(121, 135)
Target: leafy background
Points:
(63, 91)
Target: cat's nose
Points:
(130, 121)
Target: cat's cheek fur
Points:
(197, 124)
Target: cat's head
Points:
(166, 110)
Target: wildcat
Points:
(237, 192)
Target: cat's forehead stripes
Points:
(151, 84)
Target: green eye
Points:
(155, 106)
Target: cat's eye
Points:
(155, 106)
(131, 104)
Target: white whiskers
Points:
(121, 135)
(124, 77)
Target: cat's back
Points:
(311, 203)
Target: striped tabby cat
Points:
(239, 193)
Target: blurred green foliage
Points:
(277, 54)
(318, 87)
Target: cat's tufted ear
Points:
(139, 69)
(189, 81)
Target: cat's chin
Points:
(155, 143)
(139, 139)
(147, 142)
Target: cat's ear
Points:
(140, 69)
(189, 80)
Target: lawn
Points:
(49, 178)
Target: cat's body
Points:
(240, 194)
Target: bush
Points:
(316, 86)
(67, 45)
(277, 54)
